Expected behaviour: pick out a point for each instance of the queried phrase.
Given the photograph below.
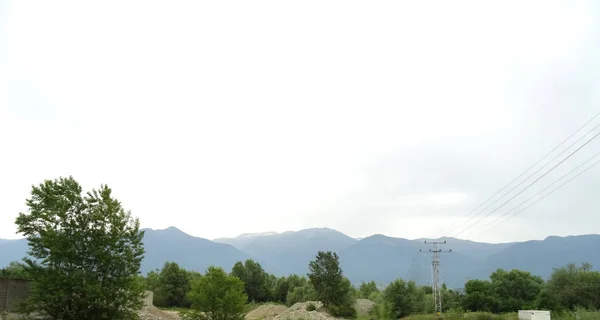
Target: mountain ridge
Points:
(377, 257)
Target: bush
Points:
(311, 307)
(345, 310)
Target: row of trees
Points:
(568, 288)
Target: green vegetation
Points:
(15, 270)
(331, 287)
(216, 296)
(85, 253)
(170, 285)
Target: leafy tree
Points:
(330, 285)
(216, 296)
(85, 253)
(285, 285)
(516, 289)
(301, 293)
(451, 299)
(257, 282)
(402, 299)
(151, 281)
(173, 286)
(570, 287)
(366, 289)
(479, 296)
(14, 270)
(270, 286)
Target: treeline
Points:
(173, 285)
(568, 288)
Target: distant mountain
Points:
(243, 239)
(290, 252)
(189, 252)
(541, 257)
(12, 250)
(378, 257)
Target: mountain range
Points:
(379, 258)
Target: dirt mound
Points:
(298, 311)
(265, 311)
(363, 306)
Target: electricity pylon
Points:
(435, 270)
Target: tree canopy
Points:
(216, 296)
(85, 253)
(331, 287)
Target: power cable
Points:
(544, 189)
(522, 173)
(538, 200)
(411, 265)
(528, 186)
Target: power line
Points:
(538, 200)
(522, 173)
(411, 265)
(531, 175)
(545, 188)
(528, 186)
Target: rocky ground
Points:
(270, 311)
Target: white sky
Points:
(224, 117)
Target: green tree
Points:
(330, 285)
(85, 253)
(216, 296)
(173, 286)
(301, 293)
(570, 287)
(402, 299)
(366, 289)
(256, 280)
(516, 289)
(285, 285)
(14, 270)
(479, 296)
(151, 281)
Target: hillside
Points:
(378, 257)
(243, 239)
(541, 257)
(290, 252)
(189, 252)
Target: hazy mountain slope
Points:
(476, 250)
(12, 250)
(242, 240)
(290, 252)
(384, 259)
(189, 252)
(540, 257)
(378, 257)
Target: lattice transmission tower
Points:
(435, 272)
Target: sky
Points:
(229, 117)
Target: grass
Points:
(465, 316)
(578, 315)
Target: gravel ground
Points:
(152, 313)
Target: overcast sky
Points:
(224, 117)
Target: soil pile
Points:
(266, 311)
